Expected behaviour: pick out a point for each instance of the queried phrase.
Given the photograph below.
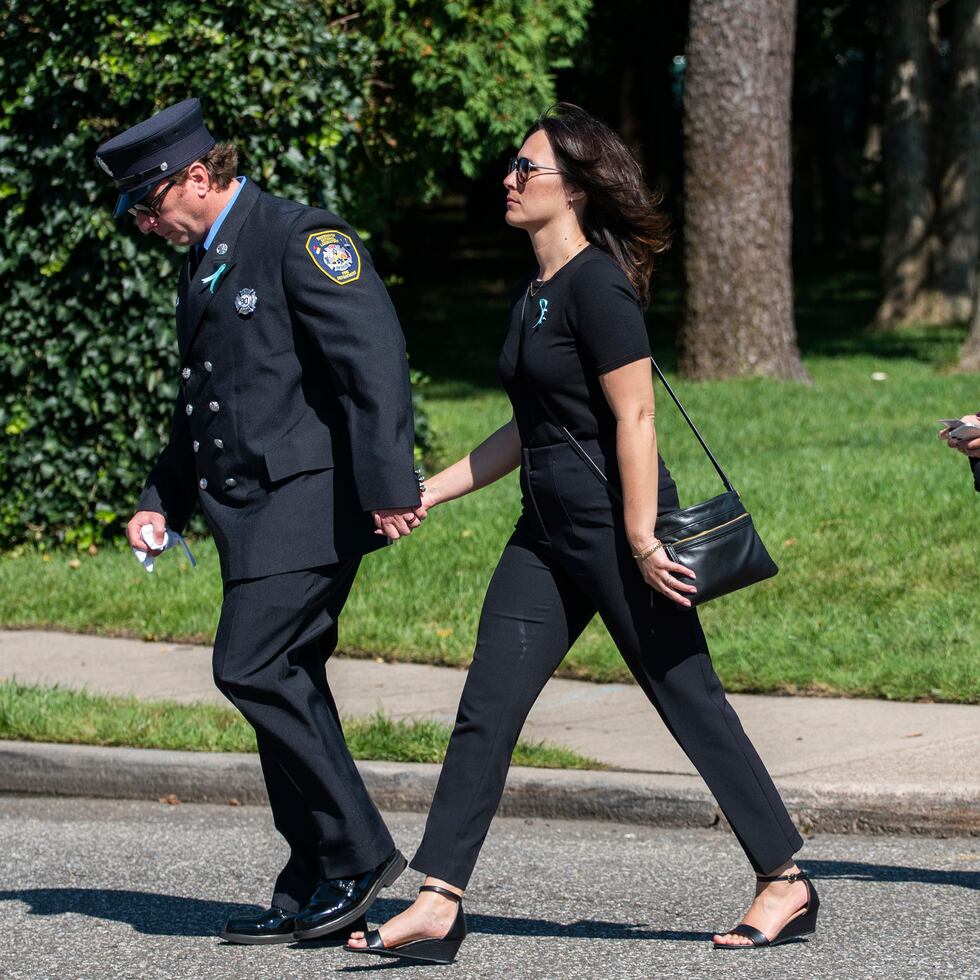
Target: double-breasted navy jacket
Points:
(294, 415)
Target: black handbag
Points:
(715, 538)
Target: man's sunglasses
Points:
(525, 168)
(151, 208)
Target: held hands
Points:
(664, 575)
(157, 521)
(399, 522)
(969, 448)
(395, 522)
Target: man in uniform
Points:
(293, 428)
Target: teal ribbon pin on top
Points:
(212, 280)
(543, 306)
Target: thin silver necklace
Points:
(532, 291)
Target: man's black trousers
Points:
(274, 638)
(567, 559)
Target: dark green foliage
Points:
(361, 107)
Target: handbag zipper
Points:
(711, 530)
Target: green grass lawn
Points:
(873, 522)
(52, 714)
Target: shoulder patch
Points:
(335, 255)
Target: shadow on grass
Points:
(455, 325)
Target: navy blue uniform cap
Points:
(150, 151)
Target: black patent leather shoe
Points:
(271, 925)
(337, 902)
(340, 936)
(276, 926)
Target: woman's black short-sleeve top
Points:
(584, 321)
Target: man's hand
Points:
(396, 522)
(159, 523)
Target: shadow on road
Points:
(174, 915)
(155, 915)
(857, 871)
(500, 925)
(504, 925)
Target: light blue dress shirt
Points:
(224, 214)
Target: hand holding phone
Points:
(965, 432)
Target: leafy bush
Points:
(361, 107)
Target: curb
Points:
(42, 768)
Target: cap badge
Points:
(104, 166)
(221, 248)
(163, 166)
(245, 302)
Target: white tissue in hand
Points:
(170, 540)
(149, 537)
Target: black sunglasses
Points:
(525, 168)
(151, 207)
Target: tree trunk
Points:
(970, 355)
(959, 190)
(909, 202)
(739, 317)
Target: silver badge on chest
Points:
(245, 302)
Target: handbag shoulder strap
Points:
(597, 470)
(694, 429)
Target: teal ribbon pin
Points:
(214, 277)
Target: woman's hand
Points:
(429, 498)
(669, 578)
(395, 522)
(970, 448)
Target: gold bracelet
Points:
(649, 552)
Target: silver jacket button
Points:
(196, 445)
(208, 366)
(186, 373)
(189, 409)
(219, 444)
(231, 482)
(214, 406)
(202, 483)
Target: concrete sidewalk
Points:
(847, 762)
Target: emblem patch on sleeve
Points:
(335, 255)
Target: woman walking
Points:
(577, 354)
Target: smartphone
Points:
(964, 433)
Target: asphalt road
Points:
(104, 889)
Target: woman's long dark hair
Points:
(622, 217)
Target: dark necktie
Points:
(197, 253)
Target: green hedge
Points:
(362, 107)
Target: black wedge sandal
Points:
(803, 923)
(427, 950)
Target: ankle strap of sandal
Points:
(795, 876)
(445, 892)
